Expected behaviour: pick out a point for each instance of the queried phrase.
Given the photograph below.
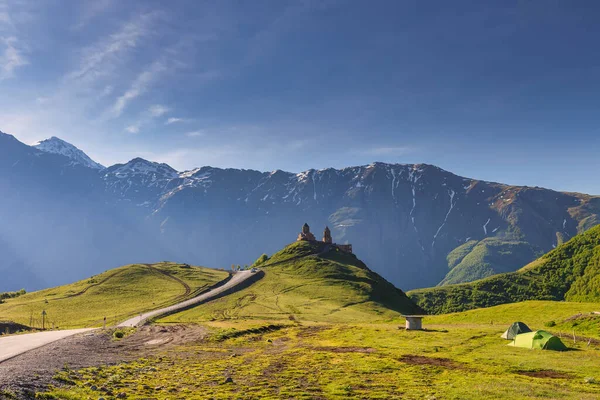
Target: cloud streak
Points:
(99, 59)
(139, 86)
(158, 110)
(174, 120)
(12, 57)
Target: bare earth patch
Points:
(435, 361)
(546, 373)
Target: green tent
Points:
(538, 340)
(515, 329)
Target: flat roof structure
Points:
(414, 322)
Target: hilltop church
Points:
(307, 235)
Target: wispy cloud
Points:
(174, 120)
(12, 57)
(91, 10)
(5, 18)
(138, 87)
(98, 59)
(194, 133)
(135, 128)
(386, 150)
(158, 110)
(147, 117)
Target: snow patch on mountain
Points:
(55, 145)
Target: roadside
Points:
(33, 371)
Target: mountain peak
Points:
(56, 145)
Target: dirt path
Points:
(187, 287)
(89, 287)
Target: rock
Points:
(94, 388)
(122, 395)
(228, 380)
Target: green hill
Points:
(116, 294)
(490, 256)
(570, 272)
(308, 281)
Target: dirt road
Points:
(235, 280)
(11, 346)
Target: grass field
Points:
(559, 317)
(459, 356)
(302, 284)
(117, 294)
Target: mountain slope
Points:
(416, 225)
(309, 281)
(55, 145)
(570, 272)
(115, 294)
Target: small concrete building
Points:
(414, 322)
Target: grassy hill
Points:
(309, 281)
(490, 256)
(117, 294)
(570, 272)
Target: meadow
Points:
(116, 294)
(458, 356)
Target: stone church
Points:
(307, 235)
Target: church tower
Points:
(327, 236)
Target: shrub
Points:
(119, 334)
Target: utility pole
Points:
(43, 319)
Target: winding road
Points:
(235, 280)
(12, 346)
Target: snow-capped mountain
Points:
(415, 224)
(138, 181)
(55, 145)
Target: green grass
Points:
(456, 358)
(302, 284)
(536, 314)
(117, 294)
(476, 260)
(569, 272)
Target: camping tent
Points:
(538, 340)
(515, 329)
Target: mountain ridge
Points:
(404, 220)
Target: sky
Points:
(506, 91)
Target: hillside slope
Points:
(115, 294)
(570, 272)
(309, 281)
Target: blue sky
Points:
(504, 91)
